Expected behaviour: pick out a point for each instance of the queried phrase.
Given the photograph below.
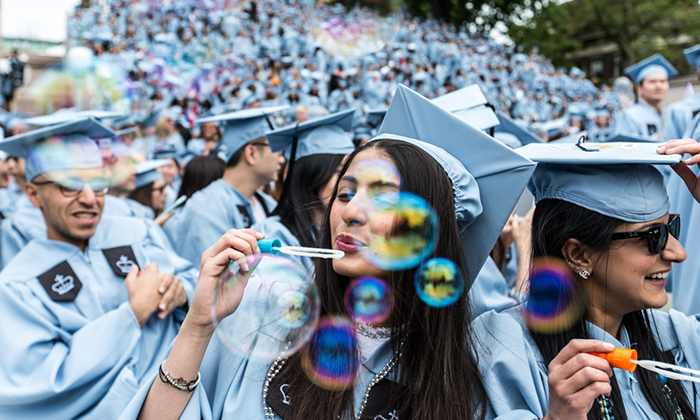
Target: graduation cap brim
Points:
(282, 139)
(507, 125)
(242, 115)
(17, 145)
(481, 117)
(692, 54)
(500, 173)
(375, 117)
(599, 154)
(59, 117)
(461, 99)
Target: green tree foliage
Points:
(638, 28)
(480, 15)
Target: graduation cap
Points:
(327, 135)
(692, 54)
(465, 153)
(60, 149)
(469, 104)
(242, 127)
(375, 117)
(147, 172)
(614, 179)
(507, 125)
(125, 131)
(656, 65)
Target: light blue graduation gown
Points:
(680, 115)
(683, 278)
(85, 357)
(490, 290)
(273, 228)
(208, 214)
(122, 206)
(231, 386)
(515, 375)
(639, 120)
(7, 202)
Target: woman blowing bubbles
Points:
(607, 220)
(433, 375)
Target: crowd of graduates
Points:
(564, 212)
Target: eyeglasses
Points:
(99, 191)
(657, 237)
(160, 189)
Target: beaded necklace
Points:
(605, 404)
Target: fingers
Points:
(165, 283)
(173, 298)
(160, 220)
(133, 274)
(594, 369)
(682, 146)
(243, 240)
(578, 346)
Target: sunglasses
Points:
(657, 237)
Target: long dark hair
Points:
(554, 222)
(438, 365)
(296, 210)
(143, 195)
(200, 172)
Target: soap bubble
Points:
(82, 82)
(278, 311)
(405, 231)
(353, 28)
(369, 299)
(57, 152)
(330, 360)
(554, 302)
(439, 282)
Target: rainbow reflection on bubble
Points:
(278, 311)
(439, 282)
(369, 299)
(554, 302)
(72, 164)
(382, 179)
(412, 236)
(353, 29)
(331, 358)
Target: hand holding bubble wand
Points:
(627, 359)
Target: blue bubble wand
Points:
(274, 247)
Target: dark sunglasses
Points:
(657, 237)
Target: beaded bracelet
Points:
(178, 383)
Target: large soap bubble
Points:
(439, 282)
(331, 358)
(278, 311)
(353, 28)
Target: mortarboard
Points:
(147, 172)
(655, 65)
(59, 149)
(507, 125)
(242, 127)
(469, 104)
(617, 180)
(692, 54)
(327, 135)
(482, 207)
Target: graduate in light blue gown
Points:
(150, 186)
(616, 245)
(417, 341)
(682, 123)
(645, 118)
(234, 201)
(319, 148)
(682, 113)
(90, 310)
